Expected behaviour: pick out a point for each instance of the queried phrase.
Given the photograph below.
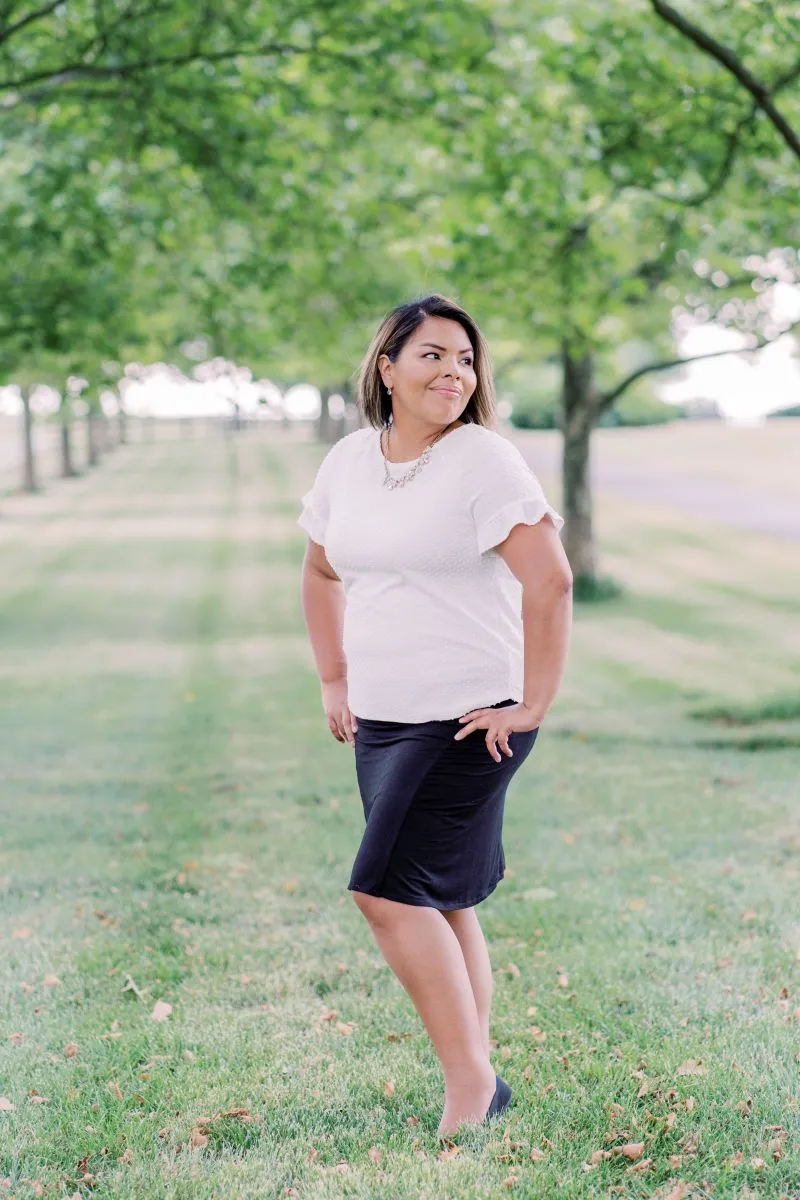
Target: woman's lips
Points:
(448, 391)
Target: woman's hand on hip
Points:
(341, 721)
(499, 723)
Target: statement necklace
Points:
(392, 481)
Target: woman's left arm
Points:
(536, 557)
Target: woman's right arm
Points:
(322, 599)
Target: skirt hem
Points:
(428, 903)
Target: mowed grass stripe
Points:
(204, 811)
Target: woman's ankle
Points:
(470, 1076)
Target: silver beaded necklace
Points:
(392, 481)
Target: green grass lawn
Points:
(176, 831)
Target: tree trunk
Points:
(67, 465)
(29, 466)
(579, 407)
(91, 440)
(122, 424)
(324, 423)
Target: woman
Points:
(437, 599)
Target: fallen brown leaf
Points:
(5, 1104)
(113, 1087)
(563, 981)
(537, 1155)
(597, 1156)
(51, 981)
(450, 1152)
(640, 1168)
(21, 933)
(375, 1155)
(757, 1164)
(678, 1191)
(70, 1050)
(513, 970)
(690, 1142)
(198, 1138)
(632, 1150)
(16, 1039)
(345, 1028)
(388, 1088)
(690, 1067)
(509, 1181)
(675, 1161)
(735, 1160)
(161, 1010)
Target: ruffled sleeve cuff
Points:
(311, 521)
(524, 511)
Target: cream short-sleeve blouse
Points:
(433, 616)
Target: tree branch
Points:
(608, 399)
(10, 30)
(726, 57)
(79, 70)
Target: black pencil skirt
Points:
(434, 811)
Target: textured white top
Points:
(433, 616)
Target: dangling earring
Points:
(389, 390)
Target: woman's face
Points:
(434, 376)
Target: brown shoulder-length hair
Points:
(395, 329)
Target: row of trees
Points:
(274, 177)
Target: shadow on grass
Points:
(752, 745)
(595, 589)
(772, 708)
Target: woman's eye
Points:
(466, 357)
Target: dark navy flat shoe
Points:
(500, 1100)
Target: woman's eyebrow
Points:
(435, 347)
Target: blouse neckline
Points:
(409, 462)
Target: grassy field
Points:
(193, 1006)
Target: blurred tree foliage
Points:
(585, 178)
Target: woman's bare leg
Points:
(465, 925)
(423, 951)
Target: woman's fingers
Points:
(493, 736)
(491, 747)
(343, 726)
(348, 726)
